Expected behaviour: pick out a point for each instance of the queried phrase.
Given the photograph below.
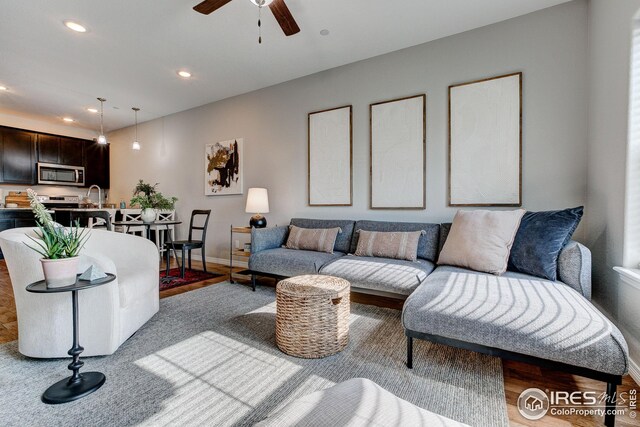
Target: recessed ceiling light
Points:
(68, 119)
(324, 32)
(75, 27)
(92, 110)
(184, 74)
(3, 88)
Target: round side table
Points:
(77, 385)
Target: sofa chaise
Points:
(514, 316)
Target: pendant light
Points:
(101, 138)
(136, 144)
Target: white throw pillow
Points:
(481, 240)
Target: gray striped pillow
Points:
(393, 244)
(312, 239)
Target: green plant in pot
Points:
(150, 200)
(59, 246)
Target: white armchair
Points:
(109, 314)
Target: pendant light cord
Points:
(101, 116)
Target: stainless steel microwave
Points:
(49, 173)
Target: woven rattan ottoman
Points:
(312, 316)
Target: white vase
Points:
(60, 272)
(148, 215)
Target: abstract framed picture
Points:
(223, 168)
(330, 159)
(485, 142)
(398, 153)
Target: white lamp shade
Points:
(257, 201)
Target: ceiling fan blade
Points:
(284, 17)
(209, 6)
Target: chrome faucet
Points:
(99, 194)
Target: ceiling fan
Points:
(278, 8)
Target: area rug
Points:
(209, 358)
(190, 276)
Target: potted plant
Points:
(150, 200)
(59, 246)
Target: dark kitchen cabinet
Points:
(48, 148)
(18, 156)
(20, 150)
(96, 164)
(60, 150)
(71, 151)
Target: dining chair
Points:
(186, 246)
(85, 219)
(132, 215)
(161, 230)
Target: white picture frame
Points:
(485, 142)
(223, 168)
(398, 153)
(330, 157)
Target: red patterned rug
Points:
(190, 276)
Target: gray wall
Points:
(610, 25)
(549, 46)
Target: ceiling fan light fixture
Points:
(262, 3)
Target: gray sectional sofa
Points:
(513, 316)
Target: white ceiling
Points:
(133, 49)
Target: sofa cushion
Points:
(343, 240)
(540, 238)
(290, 262)
(381, 274)
(518, 313)
(481, 240)
(389, 244)
(312, 239)
(427, 245)
(357, 402)
(445, 227)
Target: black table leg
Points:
(77, 385)
(167, 278)
(183, 264)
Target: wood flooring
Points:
(517, 376)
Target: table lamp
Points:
(257, 203)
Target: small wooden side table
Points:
(77, 385)
(237, 252)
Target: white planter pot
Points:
(60, 272)
(148, 215)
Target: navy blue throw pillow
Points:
(539, 240)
